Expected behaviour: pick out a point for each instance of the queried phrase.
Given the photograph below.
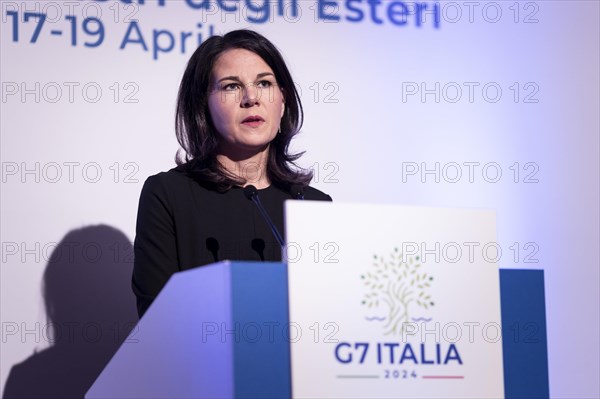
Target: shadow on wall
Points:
(90, 309)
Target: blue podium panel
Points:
(524, 334)
(262, 354)
(214, 332)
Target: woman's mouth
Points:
(253, 121)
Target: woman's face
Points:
(245, 102)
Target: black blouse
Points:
(182, 224)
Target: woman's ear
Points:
(283, 101)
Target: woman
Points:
(237, 111)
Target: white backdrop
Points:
(498, 101)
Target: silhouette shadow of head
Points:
(90, 309)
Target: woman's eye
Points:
(230, 87)
(264, 83)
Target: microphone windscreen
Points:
(212, 244)
(249, 191)
(297, 191)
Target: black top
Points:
(182, 224)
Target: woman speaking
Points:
(237, 111)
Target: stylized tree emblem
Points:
(397, 283)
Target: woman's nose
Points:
(251, 95)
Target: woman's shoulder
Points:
(169, 181)
(178, 174)
(313, 194)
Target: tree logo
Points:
(397, 285)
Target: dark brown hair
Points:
(196, 132)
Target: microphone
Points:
(258, 245)
(213, 247)
(297, 191)
(252, 194)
